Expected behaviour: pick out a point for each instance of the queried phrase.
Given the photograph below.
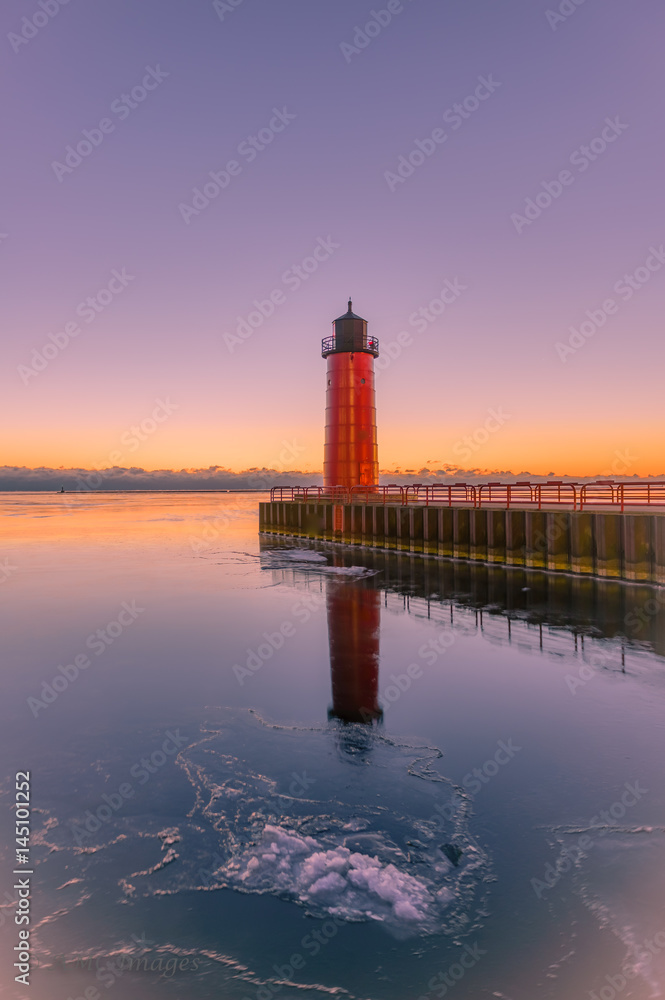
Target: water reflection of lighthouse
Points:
(353, 633)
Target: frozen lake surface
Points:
(262, 767)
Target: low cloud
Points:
(215, 477)
(453, 474)
(21, 478)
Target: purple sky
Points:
(218, 76)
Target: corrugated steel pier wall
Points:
(625, 546)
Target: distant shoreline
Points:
(88, 493)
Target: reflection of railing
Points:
(558, 642)
(561, 643)
(554, 493)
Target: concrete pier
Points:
(628, 546)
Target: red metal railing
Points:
(610, 493)
(377, 494)
(526, 494)
(554, 493)
(288, 492)
(441, 493)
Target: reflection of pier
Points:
(553, 614)
(500, 629)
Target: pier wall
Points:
(628, 546)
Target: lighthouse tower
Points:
(351, 452)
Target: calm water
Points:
(271, 768)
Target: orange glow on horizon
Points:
(484, 445)
(582, 461)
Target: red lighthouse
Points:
(351, 452)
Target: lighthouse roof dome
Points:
(350, 314)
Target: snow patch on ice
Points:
(297, 555)
(348, 884)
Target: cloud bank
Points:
(21, 478)
(134, 478)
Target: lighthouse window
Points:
(362, 381)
